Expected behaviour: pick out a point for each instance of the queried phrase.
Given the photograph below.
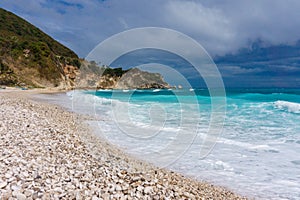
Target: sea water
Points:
(257, 153)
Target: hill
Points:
(30, 57)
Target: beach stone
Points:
(15, 188)
(95, 198)
(8, 175)
(120, 175)
(138, 195)
(140, 188)
(28, 193)
(5, 195)
(118, 188)
(78, 196)
(21, 196)
(3, 185)
(135, 179)
(62, 195)
(148, 190)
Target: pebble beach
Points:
(47, 152)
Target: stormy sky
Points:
(255, 31)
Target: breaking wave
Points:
(288, 106)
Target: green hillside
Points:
(28, 55)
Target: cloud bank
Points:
(221, 27)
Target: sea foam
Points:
(256, 155)
(288, 106)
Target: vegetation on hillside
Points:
(114, 71)
(106, 70)
(22, 45)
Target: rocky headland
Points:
(29, 58)
(91, 76)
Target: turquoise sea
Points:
(256, 154)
